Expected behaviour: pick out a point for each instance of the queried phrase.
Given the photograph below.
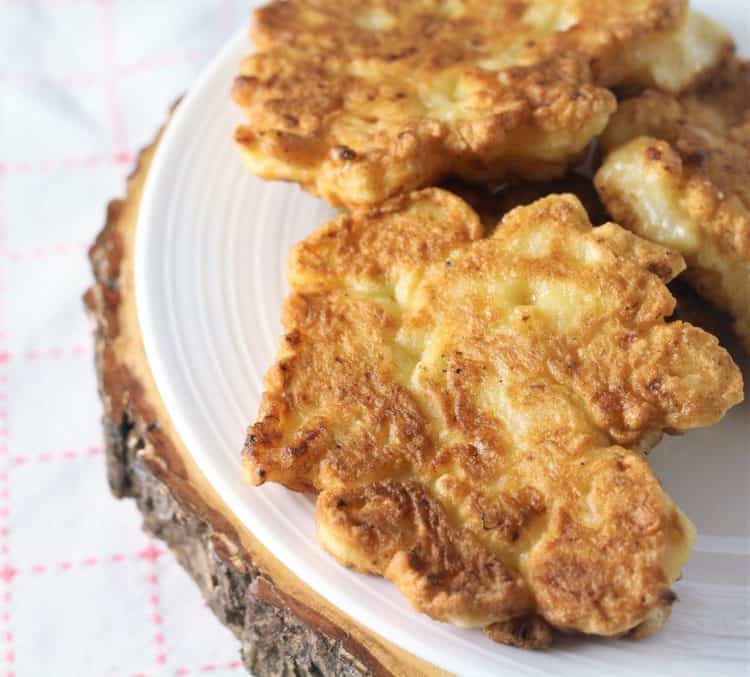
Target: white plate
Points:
(212, 242)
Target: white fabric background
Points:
(84, 84)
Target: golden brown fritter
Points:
(469, 410)
(678, 173)
(358, 100)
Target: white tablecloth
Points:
(84, 84)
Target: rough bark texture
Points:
(279, 633)
(274, 641)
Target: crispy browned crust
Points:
(358, 100)
(469, 410)
(677, 165)
(525, 632)
(400, 530)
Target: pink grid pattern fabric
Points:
(83, 591)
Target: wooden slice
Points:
(284, 626)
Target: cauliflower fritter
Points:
(471, 410)
(678, 173)
(358, 100)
